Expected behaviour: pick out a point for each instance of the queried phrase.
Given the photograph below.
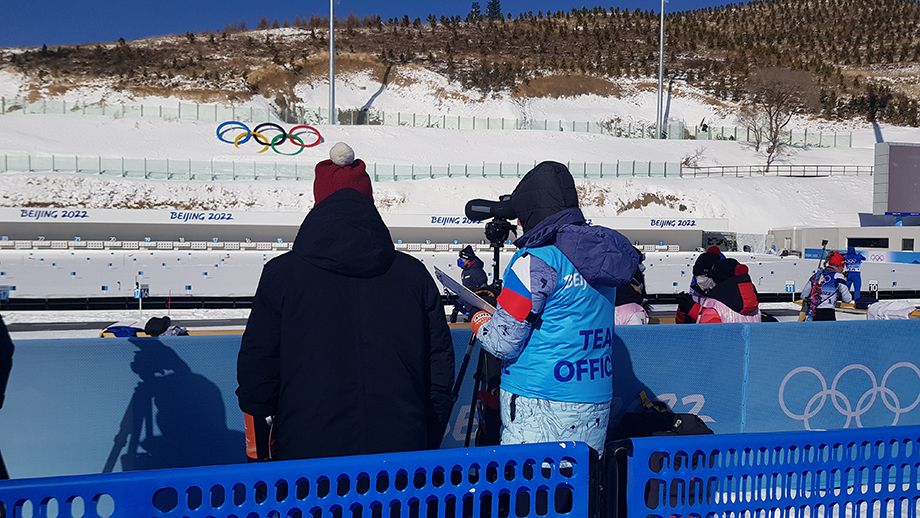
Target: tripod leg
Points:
(455, 392)
(474, 400)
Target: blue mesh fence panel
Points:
(843, 473)
(527, 480)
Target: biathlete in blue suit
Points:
(553, 329)
(854, 262)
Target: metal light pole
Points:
(660, 114)
(332, 117)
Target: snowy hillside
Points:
(751, 204)
(139, 138)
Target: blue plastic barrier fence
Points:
(843, 473)
(528, 480)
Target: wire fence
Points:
(221, 170)
(361, 117)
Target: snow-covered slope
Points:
(752, 205)
(153, 138)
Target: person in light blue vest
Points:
(553, 329)
(854, 262)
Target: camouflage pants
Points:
(526, 420)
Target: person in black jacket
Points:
(6, 365)
(474, 276)
(347, 349)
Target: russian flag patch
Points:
(515, 297)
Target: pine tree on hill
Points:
(475, 13)
(494, 10)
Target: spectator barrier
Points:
(252, 170)
(87, 406)
(842, 473)
(534, 480)
(218, 113)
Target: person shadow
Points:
(627, 387)
(176, 418)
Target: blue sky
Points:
(57, 22)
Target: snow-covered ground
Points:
(412, 89)
(181, 139)
(751, 205)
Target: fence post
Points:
(53, 170)
(124, 174)
(180, 110)
(602, 169)
(466, 170)
(145, 168)
(276, 171)
(376, 178)
(617, 173)
(233, 169)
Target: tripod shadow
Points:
(175, 418)
(626, 386)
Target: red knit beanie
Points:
(342, 172)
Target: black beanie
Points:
(547, 189)
(705, 263)
(468, 253)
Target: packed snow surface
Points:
(751, 204)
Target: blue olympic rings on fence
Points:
(258, 134)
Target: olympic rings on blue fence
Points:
(268, 135)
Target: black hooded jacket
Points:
(474, 277)
(347, 344)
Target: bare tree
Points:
(523, 104)
(755, 122)
(692, 160)
(775, 96)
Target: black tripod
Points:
(497, 232)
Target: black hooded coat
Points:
(347, 344)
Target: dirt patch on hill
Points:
(567, 86)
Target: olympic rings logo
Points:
(261, 132)
(842, 403)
